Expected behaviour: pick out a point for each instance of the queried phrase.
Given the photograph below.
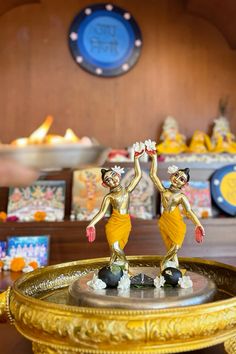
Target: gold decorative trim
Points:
(230, 345)
(41, 348)
(8, 311)
(3, 315)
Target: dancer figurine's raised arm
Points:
(118, 226)
(171, 224)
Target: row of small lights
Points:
(74, 37)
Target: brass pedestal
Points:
(38, 307)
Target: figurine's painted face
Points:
(111, 179)
(178, 179)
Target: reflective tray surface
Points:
(203, 290)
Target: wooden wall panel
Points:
(186, 66)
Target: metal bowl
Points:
(38, 306)
(56, 156)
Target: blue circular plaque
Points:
(105, 40)
(223, 188)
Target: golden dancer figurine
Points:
(171, 224)
(118, 226)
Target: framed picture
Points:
(199, 196)
(46, 196)
(142, 199)
(3, 249)
(87, 193)
(35, 247)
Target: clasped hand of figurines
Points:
(148, 146)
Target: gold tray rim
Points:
(209, 307)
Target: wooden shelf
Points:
(226, 221)
(68, 240)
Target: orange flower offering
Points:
(1, 264)
(33, 264)
(205, 214)
(17, 264)
(3, 216)
(40, 215)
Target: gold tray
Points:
(56, 156)
(38, 306)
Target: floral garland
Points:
(5, 218)
(37, 216)
(18, 264)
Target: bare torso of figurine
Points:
(119, 199)
(171, 199)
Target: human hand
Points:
(13, 174)
(150, 147)
(91, 233)
(199, 233)
(139, 149)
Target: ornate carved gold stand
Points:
(230, 345)
(37, 304)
